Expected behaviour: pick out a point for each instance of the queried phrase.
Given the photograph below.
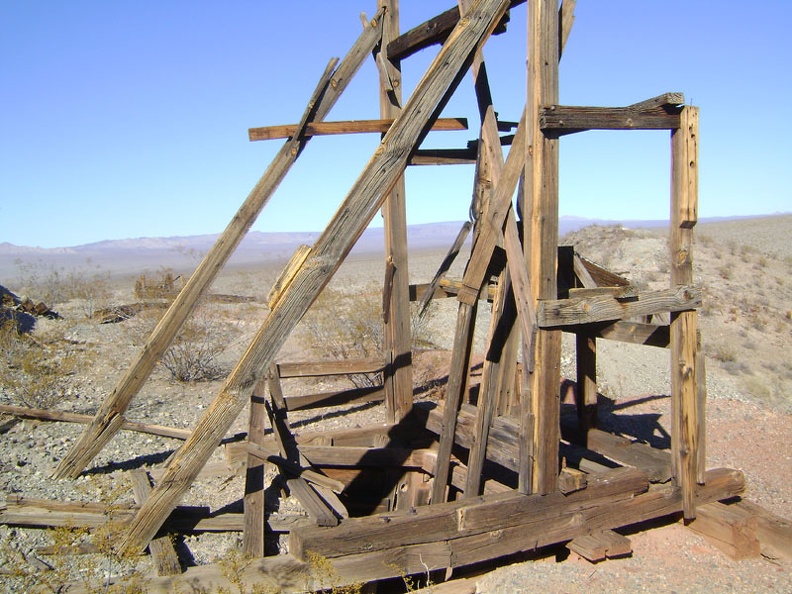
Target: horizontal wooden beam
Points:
(633, 332)
(339, 398)
(325, 368)
(658, 113)
(443, 157)
(554, 313)
(345, 127)
(431, 32)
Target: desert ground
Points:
(73, 362)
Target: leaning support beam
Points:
(684, 386)
(329, 251)
(109, 418)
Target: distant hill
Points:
(124, 256)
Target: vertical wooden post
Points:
(586, 385)
(684, 387)
(541, 181)
(253, 533)
(398, 340)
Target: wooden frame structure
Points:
(474, 482)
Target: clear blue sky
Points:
(129, 119)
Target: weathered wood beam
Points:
(445, 265)
(109, 418)
(443, 157)
(67, 417)
(660, 113)
(774, 532)
(564, 312)
(338, 398)
(254, 498)
(346, 127)
(625, 331)
(360, 206)
(161, 548)
(324, 368)
(586, 384)
(397, 329)
(684, 324)
(459, 518)
(729, 528)
(431, 32)
(541, 194)
(601, 545)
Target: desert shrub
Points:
(344, 325)
(347, 326)
(192, 357)
(46, 282)
(39, 372)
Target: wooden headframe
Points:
(528, 313)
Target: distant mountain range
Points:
(152, 253)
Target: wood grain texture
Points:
(564, 312)
(346, 127)
(684, 325)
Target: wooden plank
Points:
(566, 18)
(541, 190)
(109, 418)
(459, 518)
(361, 457)
(684, 324)
(626, 331)
(67, 417)
(731, 529)
(498, 209)
(553, 313)
(294, 469)
(254, 498)
(324, 368)
(336, 398)
(656, 464)
(601, 545)
(330, 249)
(397, 329)
(773, 531)
(586, 384)
(570, 520)
(457, 385)
(464, 156)
(430, 289)
(661, 113)
(346, 127)
(571, 480)
(317, 508)
(165, 558)
(428, 33)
